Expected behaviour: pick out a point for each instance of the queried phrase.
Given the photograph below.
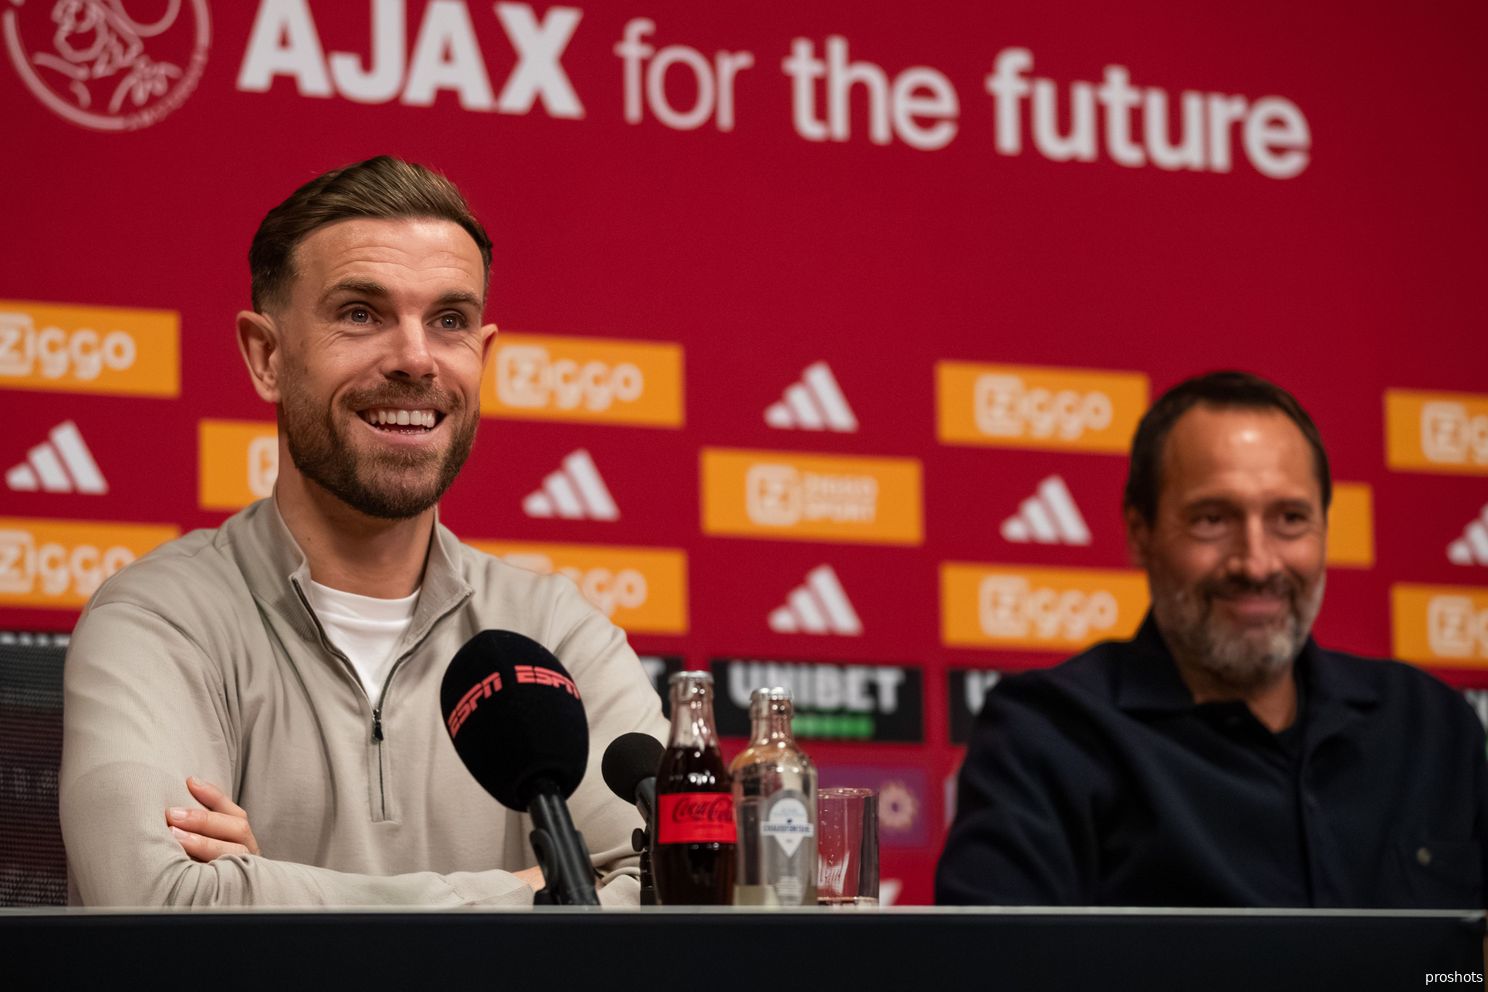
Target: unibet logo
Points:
(536, 377)
(1052, 609)
(238, 462)
(89, 349)
(1445, 625)
(53, 563)
(811, 497)
(1436, 432)
(643, 590)
(1021, 406)
(841, 701)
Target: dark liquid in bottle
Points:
(700, 874)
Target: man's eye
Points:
(1293, 522)
(359, 315)
(451, 322)
(1208, 523)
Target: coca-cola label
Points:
(695, 818)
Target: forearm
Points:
(121, 853)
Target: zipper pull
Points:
(377, 725)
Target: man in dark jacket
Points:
(1222, 758)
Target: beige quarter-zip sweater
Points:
(204, 658)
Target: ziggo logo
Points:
(1011, 607)
(527, 376)
(1456, 628)
(1452, 435)
(53, 569)
(55, 353)
(1004, 406)
(607, 590)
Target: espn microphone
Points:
(629, 768)
(514, 716)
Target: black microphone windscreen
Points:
(514, 716)
(629, 760)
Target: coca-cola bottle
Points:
(694, 856)
(775, 805)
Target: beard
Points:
(1240, 657)
(388, 484)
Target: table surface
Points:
(720, 948)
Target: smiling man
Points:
(1221, 757)
(251, 713)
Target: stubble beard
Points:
(1236, 659)
(389, 484)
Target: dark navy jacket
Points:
(1101, 782)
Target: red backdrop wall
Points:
(810, 287)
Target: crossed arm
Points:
(221, 828)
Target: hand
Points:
(532, 876)
(221, 828)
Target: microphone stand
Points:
(642, 838)
(568, 873)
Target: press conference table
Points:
(718, 949)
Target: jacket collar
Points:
(1149, 679)
(273, 564)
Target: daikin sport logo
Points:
(108, 65)
(1472, 547)
(576, 491)
(815, 403)
(60, 464)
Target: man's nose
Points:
(1255, 555)
(408, 355)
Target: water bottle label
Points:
(787, 822)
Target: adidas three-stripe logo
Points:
(1472, 547)
(1049, 516)
(815, 403)
(61, 464)
(574, 492)
(818, 607)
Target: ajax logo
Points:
(109, 65)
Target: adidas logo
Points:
(815, 403)
(1049, 516)
(62, 464)
(818, 607)
(1472, 547)
(574, 492)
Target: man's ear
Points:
(1138, 534)
(258, 341)
(488, 338)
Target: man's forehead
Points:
(1212, 447)
(421, 250)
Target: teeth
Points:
(401, 418)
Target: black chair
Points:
(33, 866)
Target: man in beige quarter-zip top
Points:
(252, 713)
